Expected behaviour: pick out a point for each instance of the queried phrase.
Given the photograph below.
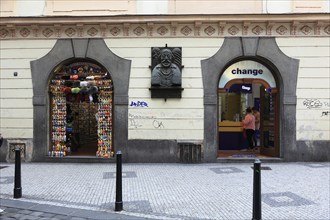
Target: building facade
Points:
(77, 80)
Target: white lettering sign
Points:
(247, 69)
(246, 88)
(254, 72)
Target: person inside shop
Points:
(256, 115)
(249, 127)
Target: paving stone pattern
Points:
(109, 175)
(17, 209)
(176, 191)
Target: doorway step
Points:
(244, 156)
(249, 160)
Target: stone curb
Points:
(58, 210)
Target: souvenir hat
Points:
(74, 77)
(91, 83)
(67, 90)
(84, 90)
(83, 83)
(75, 90)
(93, 90)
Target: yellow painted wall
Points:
(180, 119)
(313, 86)
(16, 109)
(133, 7)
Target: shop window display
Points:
(81, 111)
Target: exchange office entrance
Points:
(247, 84)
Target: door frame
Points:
(285, 71)
(271, 152)
(63, 50)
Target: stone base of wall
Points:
(7, 150)
(165, 151)
(310, 151)
(4, 151)
(152, 151)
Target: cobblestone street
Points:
(166, 191)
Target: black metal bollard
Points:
(17, 186)
(256, 215)
(119, 201)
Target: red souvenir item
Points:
(67, 90)
(74, 77)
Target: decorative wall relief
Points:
(166, 77)
(141, 29)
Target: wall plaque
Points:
(166, 77)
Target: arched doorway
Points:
(248, 84)
(66, 51)
(81, 110)
(285, 69)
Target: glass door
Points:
(269, 118)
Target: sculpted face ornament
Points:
(166, 58)
(166, 74)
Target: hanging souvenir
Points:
(81, 100)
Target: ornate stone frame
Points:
(168, 26)
(285, 69)
(66, 49)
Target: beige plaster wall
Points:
(7, 8)
(88, 8)
(134, 7)
(16, 109)
(313, 86)
(215, 7)
(174, 118)
(181, 119)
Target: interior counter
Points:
(230, 126)
(231, 135)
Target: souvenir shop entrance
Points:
(243, 85)
(81, 110)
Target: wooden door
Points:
(269, 123)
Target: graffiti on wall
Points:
(158, 124)
(317, 104)
(326, 113)
(141, 104)
(312, 103)
(135, 120)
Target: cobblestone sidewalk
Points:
(177, 191)
(16, 209)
